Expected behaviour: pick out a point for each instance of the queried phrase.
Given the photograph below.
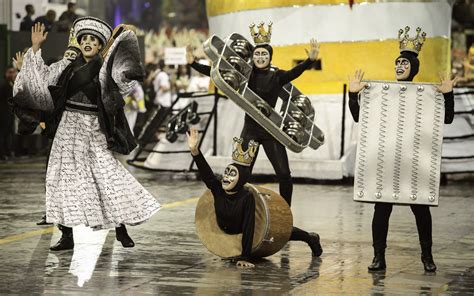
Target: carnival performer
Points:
(83, 101)
(406, 68)
(267, 81)
(233, 203)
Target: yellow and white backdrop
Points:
(362, 36)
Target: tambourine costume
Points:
(83, 102)
(409, 49)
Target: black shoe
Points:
(43, 221)
(315, 244)
(66, 242)
(428, 263)
(378, 263)
(123, 237)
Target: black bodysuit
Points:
(267, 84)
(235, 213)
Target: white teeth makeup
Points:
(402, 68)
(230, 178)
(261, 58)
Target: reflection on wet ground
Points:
(169, 259)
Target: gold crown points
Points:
(411, 44)
(261, 36)
(241, 157)
(73, 40)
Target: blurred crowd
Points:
(63, 24)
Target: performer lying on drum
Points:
(267, 83)
(406, 68)
(234, 204)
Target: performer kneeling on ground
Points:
(234, 204)
(406, 68)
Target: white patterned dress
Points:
(85, 183)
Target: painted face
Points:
(261, 58)
(230, 178)
(70, 54)
(90, 46)
(402, 68)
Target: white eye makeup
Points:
(402, 68)
(230, 178)
(261, 58)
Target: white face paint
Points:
(402, 68)
(90, 46)
(70, 54)
(230, 178)
(261, 58)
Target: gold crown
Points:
(241, 157)
(411, 44)
(73, 40)
(261, 36)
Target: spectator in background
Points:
(7, 118)
(27, 21)
(67, 18)
(47, 20)
(134, 104)
(162, 86)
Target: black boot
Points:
(378, 263)
(66, 242)
(427, 259)
(123, 237)
(315, 245)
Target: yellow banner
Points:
(375, 58)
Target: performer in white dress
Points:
(83, 102)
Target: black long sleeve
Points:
(248, 225)
(206, 173)
(290, 75)
(203, 69)
(448, 107)
(354, 105)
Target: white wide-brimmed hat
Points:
(93, 26)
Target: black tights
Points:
(381, 219)
(278, 157)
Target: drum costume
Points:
(83, 103)
(407, 66)
(266, 82)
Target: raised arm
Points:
(290, 75)
(203, 69)
(355, 86)
(446, 88)
(205, 171)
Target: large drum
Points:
(273, 225)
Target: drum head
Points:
(230, 245)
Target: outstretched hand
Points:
(355, 82)
(38, 36)
(447, 84)
(244, 264)
(189, 54)
(193, 141)
(18, 60)
(314, 50)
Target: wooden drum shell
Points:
(273, 225)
